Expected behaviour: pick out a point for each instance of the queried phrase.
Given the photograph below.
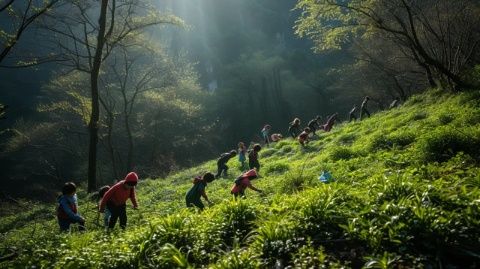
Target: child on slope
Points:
(303, 137)
(253, 157)
(222, 163)
(198, 190)
(265, 133)
(242, 154)
(116, 197)
(67, 210)
(243, 182)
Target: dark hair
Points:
(233, 152)
(307, 129)
(208, 177)
(103, 190)
(257, 147)
(69, 188)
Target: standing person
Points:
(222, 163)
(363, 108)
(242, 154)
(67, 210)
(294, 128)
(198, 190)
(330, 122)
(253, 157)
(107, 214)
(351, 115)
(243, 182)
(116, 197)
(314, 124)
(265, 133)
(303, 137)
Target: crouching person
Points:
(198, 190)
(67, 211)
(116, 197)
(243, 182)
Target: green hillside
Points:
(407, 194)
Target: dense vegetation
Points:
(406, 194)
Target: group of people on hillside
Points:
(112, 200)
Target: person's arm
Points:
(66, 208)
(133, 197)
(253, 188)
(204, 195)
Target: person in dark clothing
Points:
(314, 124)
(363, 108)
(222, 162)
(253, 157)
(330, 122)
(294, 128)
(198, 190)
(351, 115)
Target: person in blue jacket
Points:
(67, 211)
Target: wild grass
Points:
(406, 195)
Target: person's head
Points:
(318, 117)
(367, 97)
(267, 127)
(69, 188)
(208, 177)
(296, 121)
(103, 190)
(307, 130)
(257, 147)
(233, 152)
(131, 180)
(241, 145)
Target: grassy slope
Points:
(405, 195)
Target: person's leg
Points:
(123, 216)
(64, 225)
(114, 210)
(81, 225)
(367, 112)
(257, 165)
(251, 164)
(199, 204)
(219, 170)
(106, 217)
(225, 170)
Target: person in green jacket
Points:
(198, 190)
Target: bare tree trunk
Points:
(94, 117)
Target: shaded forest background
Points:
(199, 76)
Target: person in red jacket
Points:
(243, 182)
(303, 137)
(116, 197)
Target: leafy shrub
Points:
(236, 220)
(267, 152)
(275, 240)
(402, 139)
(342, 153)
(419, 116)
(379, 142)
(276, 167)
(348, 138)
(445, 119)
(238, 259)
(442, 144)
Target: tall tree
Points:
(16, 17)
(85, 43)
(441, 36)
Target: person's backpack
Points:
(238, 181)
